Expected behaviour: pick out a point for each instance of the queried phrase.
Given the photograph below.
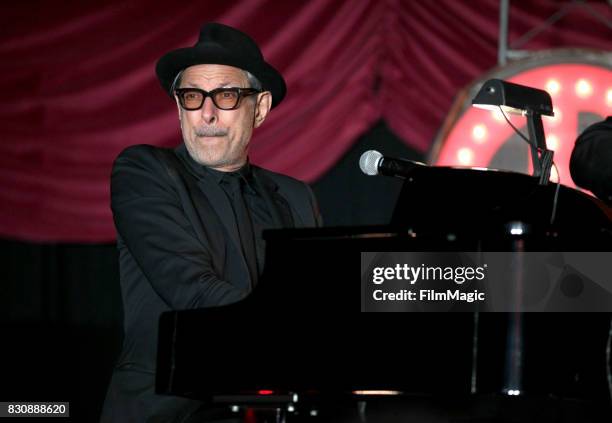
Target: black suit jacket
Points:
(179, 249)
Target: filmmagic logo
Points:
(413, 274)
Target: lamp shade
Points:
(513, 97)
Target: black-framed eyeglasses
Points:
(222, 98)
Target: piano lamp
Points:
(531, 102)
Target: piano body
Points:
(302, 331)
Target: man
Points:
(189, 220)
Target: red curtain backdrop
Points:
(78, 86)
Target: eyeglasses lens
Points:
(226, 99)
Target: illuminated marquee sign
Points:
(580, 84)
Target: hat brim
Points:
(175, 61)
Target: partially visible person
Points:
(591, 160)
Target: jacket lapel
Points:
(277, 204)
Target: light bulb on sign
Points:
(552, 142)
(479, 133)
(465, 156)
(584, 88)
(553, 87)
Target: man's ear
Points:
(262, 107)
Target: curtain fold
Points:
(78, 86)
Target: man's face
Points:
(220, 138)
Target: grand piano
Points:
(300, 342)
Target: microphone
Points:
(374, 163)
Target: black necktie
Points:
(236, 185)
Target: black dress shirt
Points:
(256, 205)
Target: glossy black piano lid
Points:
(301, 330)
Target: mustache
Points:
(210, 131)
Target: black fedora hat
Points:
(222, 45)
